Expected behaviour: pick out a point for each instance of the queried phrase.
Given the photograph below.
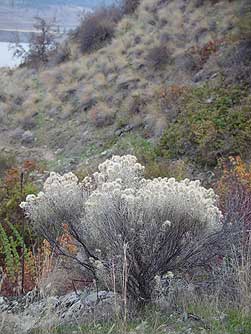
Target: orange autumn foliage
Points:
(234, 190)
(234, 168)
(66, 241)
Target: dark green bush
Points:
(214, 122)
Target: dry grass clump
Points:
(156, 122)
(125, 25)
(97, 28)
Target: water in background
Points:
(6, 55)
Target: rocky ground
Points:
(32, 312)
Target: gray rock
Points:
(38, 313)
(126, 82)
(210, 100)
(88, 103)
(111, 77)
(185, 62)
(17, 134)
(202, 75)
(27, 137)
(2, 115)
(238, 54)
(100, 296)
(69, 299)
(213, 25)
(201, 35)
(164, 37)
(53, 112)
(123, 130)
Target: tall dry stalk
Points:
(43, 263)
(242, 264)
(125, 280)
(114, 287)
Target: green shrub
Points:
(178, 169)
(214, 122)
(7, 160)
(12, 236)
(143, 149)
(10, 245)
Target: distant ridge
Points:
(45, 3)
(18, 15)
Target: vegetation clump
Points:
(97, 28)
(215, 122)
(15, 237)
(42, 44)
(129, 6)
(157, 57)
(127, 228)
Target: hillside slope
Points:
(174, 83)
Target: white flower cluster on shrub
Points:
(119, 182)
(158, 219)
(61, 194)
(123, 169)
(173, 200)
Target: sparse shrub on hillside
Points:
(129, 6)
(136, 104)
(244, 23)
(232, 276)
(157, 57)
(234, 188)
(97, 28)
(28, 122)
(235, 62)
(128, 229)
(61, 54)
(101, 115)
(7, 160)
(170, 99)
(204, 52)
(41, 44)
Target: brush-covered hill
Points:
(172, 87)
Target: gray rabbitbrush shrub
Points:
(128, 229)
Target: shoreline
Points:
(12, 36)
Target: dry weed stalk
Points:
(242, 266)
(125, 280)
